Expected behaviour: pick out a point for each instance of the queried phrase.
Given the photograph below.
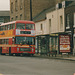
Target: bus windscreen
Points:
(25, 40)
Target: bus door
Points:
(0, 50)
(9, 50)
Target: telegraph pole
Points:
(31, 10)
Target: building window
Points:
(16, 17)
(61, 22)
(21, 17)
(1, 20)
(41, 26)
(11, 19)
(49, 24)
(16, 5)
(21, 1)
(68, 20)
(11, 7)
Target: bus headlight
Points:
(32, 50)
(17, 49)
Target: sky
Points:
(4, 5)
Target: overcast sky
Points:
(4, 5)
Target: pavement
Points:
(59, 57)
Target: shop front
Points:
(42, 44)
(61, 43)
(47, 43)
(53, 43)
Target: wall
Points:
(18, 12)
(37, 7)
(45, 28)
(55, 21)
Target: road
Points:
(12, 65)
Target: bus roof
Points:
(7, 23)
(24, 21)
(18, 21)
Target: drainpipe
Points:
(30, 10)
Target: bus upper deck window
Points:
(13, 26)
(20, 26)
(8, 27)
(1, 28)
(30, 26)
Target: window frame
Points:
(21, 2)
(12, 7)
(61, 22)
(68, 20)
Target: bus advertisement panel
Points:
(64, 43)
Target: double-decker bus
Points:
(17, 37)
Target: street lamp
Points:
(31, 10)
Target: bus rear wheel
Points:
(10, 54)
(16, 54)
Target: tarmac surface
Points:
(59, 57)
(36, 65)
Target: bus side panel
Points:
(0, 50)
(14, 32)
(5, 49)
(29, 52)
(10, 41)
(13, 49)
(32, 52)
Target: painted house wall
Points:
(56, 27)
(45, 28)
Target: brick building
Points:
(4, 16)
(20, 9)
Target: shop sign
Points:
(53, 34)
(64, 43)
